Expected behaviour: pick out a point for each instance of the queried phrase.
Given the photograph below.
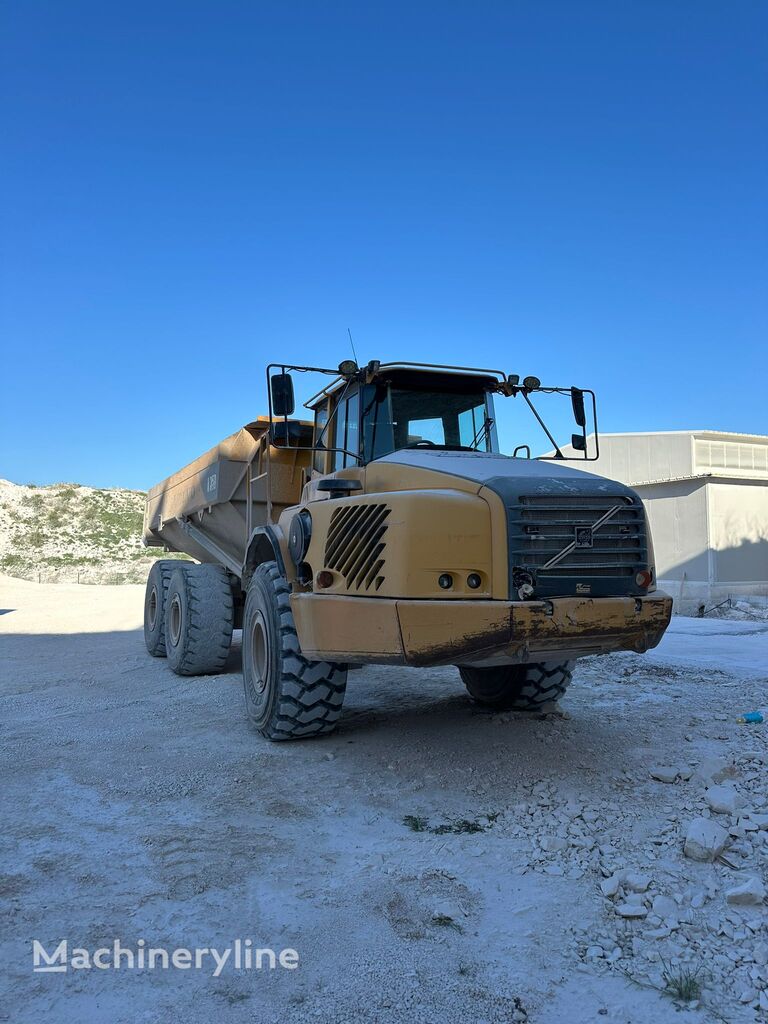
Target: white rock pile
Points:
(692, 896)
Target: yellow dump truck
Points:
(389, 529)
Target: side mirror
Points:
(577, 401)
(281, 385)
(579, 442)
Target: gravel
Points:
(137, 804)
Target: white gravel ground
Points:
(139, 805)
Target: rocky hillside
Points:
(65, 533)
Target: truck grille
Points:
(355, 544)
(542, 525)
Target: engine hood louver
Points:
(355, 544)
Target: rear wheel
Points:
(154, 603)
(199, 616)
(286, 696)
(518, 687)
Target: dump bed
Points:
(208, 508)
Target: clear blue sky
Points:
(569, 188)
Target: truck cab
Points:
(403, 408)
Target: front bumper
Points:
(390, 631)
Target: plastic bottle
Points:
(753, 717)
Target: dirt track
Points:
(137, 804)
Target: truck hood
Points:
(493, 470)
(545, 503)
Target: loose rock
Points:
(610, 886)
(553, 844)
(636, 882)
(714, 770)
(724, 799)
(751, 892)
(631, 910)
(665, 907)
(704, 840)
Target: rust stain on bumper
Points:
(434, 634)
(606, 624)
(445, 632)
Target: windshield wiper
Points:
(482, 433)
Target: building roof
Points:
(719, 434)
(728, 477)
(641, 458)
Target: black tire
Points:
(199, 615)
(518, 687)
(286, 696)
(154, 603)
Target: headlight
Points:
(299, 536)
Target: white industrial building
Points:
(706, 493)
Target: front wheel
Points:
(286, 696)
(518, 687)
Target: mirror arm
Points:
(559, 454)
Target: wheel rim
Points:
(175, 620)
(152, 609)
(258, 650)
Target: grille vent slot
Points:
(355, 544)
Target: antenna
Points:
(349, 332)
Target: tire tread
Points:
(519, 687)
(311, 693)
(205, 645)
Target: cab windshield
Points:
(395, 418)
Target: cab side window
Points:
(347, 432)
(340, 434)
(321, 418)
(352, 442)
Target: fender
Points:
(263, 546)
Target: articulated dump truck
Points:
(389, 529)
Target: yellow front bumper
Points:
(382, 630)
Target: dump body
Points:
(210, 508)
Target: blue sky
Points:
(574, 189)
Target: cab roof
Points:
(419, 377)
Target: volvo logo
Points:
(583, 537)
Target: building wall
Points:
(677, 513)
(632, 458)
(745, 458)
(738, 531)
(710, 539)
(644, 458)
